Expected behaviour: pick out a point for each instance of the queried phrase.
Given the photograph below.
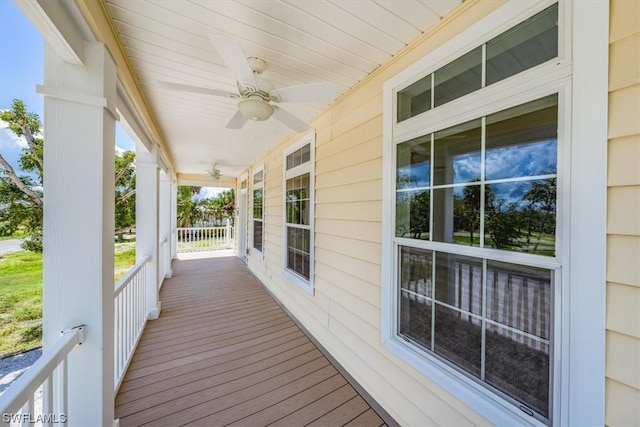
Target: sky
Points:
(21, 69)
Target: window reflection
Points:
(521, 216)
(413, 164)
(297, 199)
(414, 99)
(412, 214)
(458, 78)
(524, 46)
(456, 215)
(298, 251)
(457, 154)
(522, 141)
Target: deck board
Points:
(224, 353)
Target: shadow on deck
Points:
(223, 352)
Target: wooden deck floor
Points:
(224, 353)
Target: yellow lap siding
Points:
(624, 316)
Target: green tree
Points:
(189, 209)
(21, 197)
(467, 210)
(419, 214)
(125, 202)
(541, 209)
(219, 208)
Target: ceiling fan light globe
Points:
(255, 109)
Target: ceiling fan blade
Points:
(237, 121)
(322, 91)
(198, 90)
(234, 58)
(288, 119)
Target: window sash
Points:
(298, 215)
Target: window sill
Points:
(306, 285)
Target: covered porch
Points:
(223, 352)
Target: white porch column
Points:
(165, 224)
(147, 222)
(79, 123)
(174, 219)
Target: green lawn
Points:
(21, 296)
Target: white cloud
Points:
(9, 138)
(210, 192)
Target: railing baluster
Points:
(130, 316)
(47, 400)
(195, 239)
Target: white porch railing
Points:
(194, 239)
(21, 405)
(130, 316)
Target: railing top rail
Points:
(25, 386)
(122, 283)
(221, 227)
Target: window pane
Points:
(257, 204)
(520, 297)
(305, 154)
(257, 235)
(456, 215)
(413, 164)
(521, 216)
(415, 285)
(518, 366)
(416, 266)
(458, 78)
(298, 157)
(297, 199)
(415, 318)
(412, 214)
(298, 251)
(458, 338)
(258, 177)
(523, 141)
(457, 157)
(459, 281)
(414, 99)
(524, 46)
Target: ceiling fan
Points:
(257, 96)
(214, 172)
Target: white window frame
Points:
(260, 186)
(579, 76)
(307, 167)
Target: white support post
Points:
(174, 219)
(165, 224)
(79, 123)
(147, 222)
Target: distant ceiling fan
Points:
(214, 172)
(257, 95)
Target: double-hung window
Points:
(477, 162)
(258, 210)
(298, 212)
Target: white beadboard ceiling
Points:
(302, 41)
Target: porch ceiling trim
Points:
(97, 17)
